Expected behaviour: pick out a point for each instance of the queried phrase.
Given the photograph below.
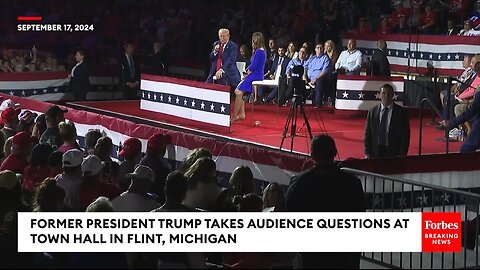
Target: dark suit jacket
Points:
(324, 188)
(229, 63)
(156, 64)
(379, 65)
(126, 72)
(398, 134)
(285, 62)
(79, 82)
(453, 33)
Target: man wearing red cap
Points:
(132, 153)
(22, 144)
(9, 117)
(156, 148)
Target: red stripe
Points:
(29, 18)
(369, 78)
(190, 123)
(424, 70)
(209, 86)
(427, 39)
(33, 76)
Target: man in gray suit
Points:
(387, 132)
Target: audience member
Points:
(279, 65)
(274, 198)
(132, 153)
(193, 156)
(10, 121)
(92, 185)
(71, 178)
(37, 171)
(40, 126)
(203, 190)
(292, 51)
(243, 55)
(79, 77)
(26, 121)
(156, 61)
(318, 70)
(313, 191)
(91, 139)
(451, 30)
(387, 131)
(53, 117)
(136, 198)
(48, 197)
(156, 149)
(68, 134)
(55, 163)
(21, 149)
(241, 181)
(350, 61)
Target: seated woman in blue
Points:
(254, 73)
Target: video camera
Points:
(297, 84)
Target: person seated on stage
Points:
(467, 28)
(317, 69)
(387, 131)
(280, 64)
(379, 65)
(291, 51)
(466, 97)
(243, 55)
(451, 30)
(299, 61)
(254, 73)
(350, 61)
(464, 81)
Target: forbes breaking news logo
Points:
(441, 232)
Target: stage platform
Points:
(266, 127)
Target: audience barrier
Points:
(389, 194)
(445, 53)
(192, 103)
(361, 93)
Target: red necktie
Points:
(219, 59)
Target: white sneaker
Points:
(454, 133)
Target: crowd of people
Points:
(45, 169)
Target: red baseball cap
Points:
(9, 114)
(157, 142)
(22, 139)
(131, 147)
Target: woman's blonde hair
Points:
(331, 43)
(258, 41)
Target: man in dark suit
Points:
(280, 64)
(451, 30)
(223, 57)
(325, 188)
(387, 132)
(130, 73)
(155, 61)
(79, 77)
(379, 65)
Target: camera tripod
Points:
(296, 108)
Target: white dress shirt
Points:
(350, 61)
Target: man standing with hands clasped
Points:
(387, 132)
(223, 57)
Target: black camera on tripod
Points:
(297, 84)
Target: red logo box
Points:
(441, 232)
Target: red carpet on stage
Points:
(266, 126)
